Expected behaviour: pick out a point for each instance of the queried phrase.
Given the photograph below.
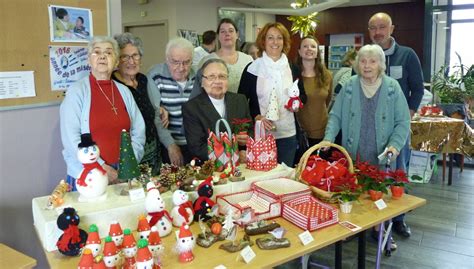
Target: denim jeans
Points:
(286, 150)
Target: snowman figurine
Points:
(182, 211)
(92, 182)
(185, 244)
(156, 247)
(129, 250)
(156, 209)
(294, 103)
(93, 240)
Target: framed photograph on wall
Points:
(239, 19)
(190, 35)
(70, 24)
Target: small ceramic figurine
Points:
(143, 227)
(73, 239)
(111, 253)
(185, 244)
(157, 214)
(87, 260)
(92, 182)
(156, 247)
(182, 211)
(144, 257)
(204, 204)
(129, 249)
(294, 103)
(93, 240)
(57, 196)
(116, 233)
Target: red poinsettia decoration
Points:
(371, 178)
(241, 125)
(398, 178)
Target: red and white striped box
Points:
(263, 206)
(283, 189)
(308, 213)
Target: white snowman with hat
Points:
(92, 182)
(157, 214)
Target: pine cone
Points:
(207, 168)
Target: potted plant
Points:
(372, 180)
(398, 181)
(454, 85)
(241, 126)
(347, 194)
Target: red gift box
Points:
(309, 213)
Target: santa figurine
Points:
(87, 261)
(204, 204)
(116, 233)
(182, 211)
(111, 253)
(155, 246)
(185, 244)
(93, 241)
(143, 227)
(92, 182)
(144, 257)
(157, 214)
(294, 102)
(129, 249)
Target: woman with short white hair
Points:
(371, 110)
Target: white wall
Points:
(31, 165)
(189, 14)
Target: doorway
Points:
(154, 35)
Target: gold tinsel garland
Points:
(304, 25)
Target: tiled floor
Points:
(442, 230)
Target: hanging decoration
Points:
(304, 25)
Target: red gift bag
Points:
(261, 151)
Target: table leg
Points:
(361, 251)
(304, 261)
(450, 170)
(338, 261)
(379, 246)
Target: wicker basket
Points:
(325, 196)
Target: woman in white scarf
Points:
(266, 83)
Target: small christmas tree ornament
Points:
(273, 110)
(144, 256)
(182, 211)
(204, 204)
(116, 233)
(129, 249)
(185, 244)
(128, 166)
(93, 240)
(73, 239)
(87, 261)
(156, 208)
(143, 227)
(111, 253)
(92, 182)
(294, 103)
(156, 247)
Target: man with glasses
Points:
(404, 66)
(174, 80)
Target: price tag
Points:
(247, 254)
(220, 266)
(136, 194)
(380, 204)
(306, 237)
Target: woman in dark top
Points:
(131, 51)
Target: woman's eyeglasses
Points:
(126, 58)
(213, 78)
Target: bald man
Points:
(404, 66)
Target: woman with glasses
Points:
(128, 73)
(266, 83)
(215, 102)
(102, 107)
